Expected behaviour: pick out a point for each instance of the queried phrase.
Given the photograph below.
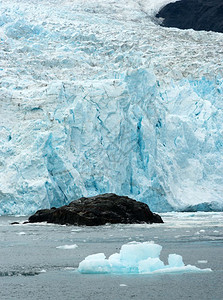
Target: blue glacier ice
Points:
(135, 258)
(96, 97)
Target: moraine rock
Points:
(98, 210)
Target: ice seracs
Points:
(136, 258)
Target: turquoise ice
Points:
(136, 258)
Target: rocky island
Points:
(98, 210)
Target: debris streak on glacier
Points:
(96, 97)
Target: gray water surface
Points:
(32, 267)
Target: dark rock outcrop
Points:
(195, 14)
(98, 210)
(15, 223)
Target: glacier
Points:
(96, 97)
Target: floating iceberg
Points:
(135, 258)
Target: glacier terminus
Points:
(96, 97)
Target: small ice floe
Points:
(122, 284)
(76, 230)
(202, 261)
(136, 258)
(67, 247)
(202, 230)
(43, 271)
(215, 231)
(21, 233)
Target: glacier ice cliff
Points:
(95, 97)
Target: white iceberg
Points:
(67, 247)
(135, 258)
(96, 263)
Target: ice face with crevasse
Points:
(135, 258)
(96, 97)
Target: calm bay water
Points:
(32, 267)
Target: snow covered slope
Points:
(95, 97)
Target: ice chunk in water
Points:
(135, 252)
(96, 263)
(150, 265)
(175, 260)
(67, 247)
(135, 258)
